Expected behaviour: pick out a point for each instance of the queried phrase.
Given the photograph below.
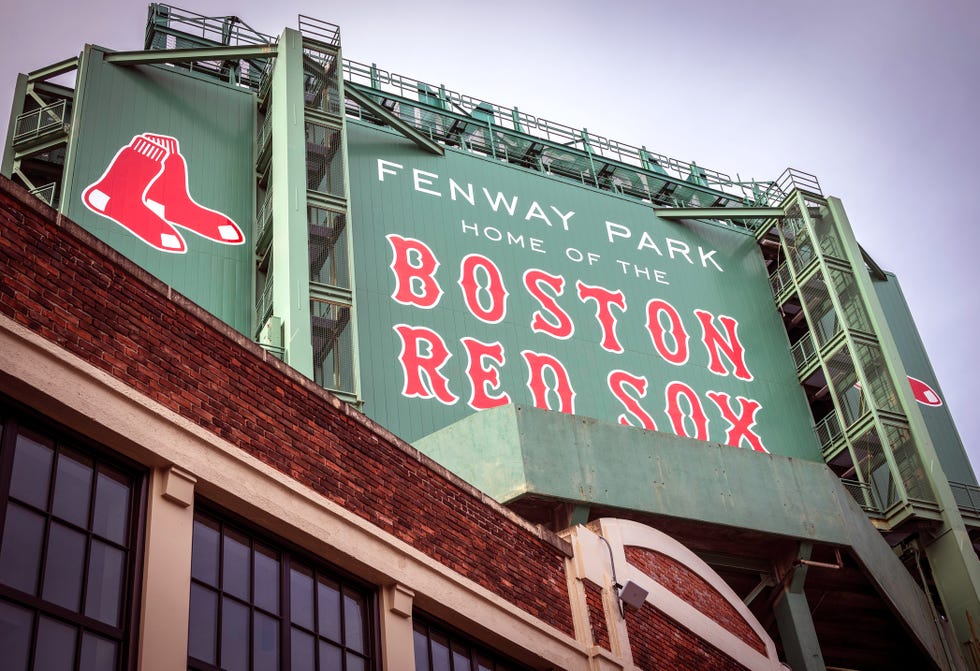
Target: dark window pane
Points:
(355, 662)
(421, 650)
(63, 569)
(20, 551)
(105, 575)
(301, 596)
(98, 654)
(15, 636)
(302, 651)
(31, 475)
(235, 565)
(111, 506)
(483, 663)
(203, 634)
(331, 657)
(266, 579)
(234, 635)
(72, 488)
(440, 652)
(55, 646)
(266, 643)
(353, 621)
(204, 552)
(461, 658)
(328, 609)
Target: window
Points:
(256, 606)
(68, 533)
(437, 649)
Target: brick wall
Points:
(658, 643)
(597, 614)
(71, 289)
(694, 589)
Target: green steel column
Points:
(950, 552)
(351, 228)
(290, 257)
(795, 622)
(16, 105)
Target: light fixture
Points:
(632, 595)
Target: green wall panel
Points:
(398, 189)
(214, 128)
(932, 402)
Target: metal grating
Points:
(825, 323)
(333, 346)
(46, 192)
(324, 160)
(850, 300)
(321, 81)
(42, 121)
(909, 463)
(850, 397)
(824, 229)
(329, 261)
(864, 495)
(879, 381)
(873, 467)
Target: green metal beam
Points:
(405, 129)
(875, 269)
(727, 213)
(232, 53)
(60, 139)
(53, 70)
(795, 621)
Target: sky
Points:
(878, 98)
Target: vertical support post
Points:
(397, 633)
(167, 573)
(588, 150)
(290, 256)
(16, 107)
(795, 622)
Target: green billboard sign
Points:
(161, 169)
(480, 284)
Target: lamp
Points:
(632, 595)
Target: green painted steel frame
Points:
(955, 565)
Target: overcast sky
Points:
(877, 98)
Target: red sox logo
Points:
(924, 394)
(145, 190)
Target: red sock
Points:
(170, 198)
(118, 195)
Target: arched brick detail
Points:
(695, 590)
(658, 643)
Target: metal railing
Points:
(967, 496)
(263, 219)
(44, 120)
(804, 351)
(226, 30)
(319, 31)
(828, 431)
(792, 179)
(863, 494)
(503, 132)
(263, 307)
(456, 107)
(46, 192)
(780, 279)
